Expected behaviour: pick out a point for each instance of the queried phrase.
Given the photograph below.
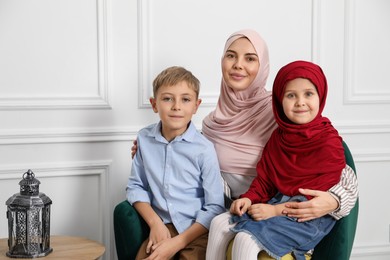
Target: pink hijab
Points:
(242, 122)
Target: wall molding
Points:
(370, 250)
(56, 103)
(316, 31)
(99, 101)
(87, 135)
(143, 54)
(352, 95)
(363, 127)
(101, 169)
(65, 135)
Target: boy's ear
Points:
(197, 104)
(153, 103)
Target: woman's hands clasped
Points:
(321, 204)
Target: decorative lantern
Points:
(28, 214)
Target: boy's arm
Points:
(212, 185)
(148, 214)
(189, 235)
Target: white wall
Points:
(75, 77)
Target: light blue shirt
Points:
(180, 179)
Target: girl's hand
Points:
(240, 206)
(321, 204)
(262, 211)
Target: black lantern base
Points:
(17, 254)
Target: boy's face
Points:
(175, 106)
(300, 101)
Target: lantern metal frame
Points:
(28, 214)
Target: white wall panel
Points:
(192, 34)
(54, 55)
(367, 41)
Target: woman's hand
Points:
(134, 149)
(321, 204)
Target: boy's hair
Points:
(174, 75)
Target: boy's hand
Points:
(240, 206)
(165, 249)
(158, 232)
(263, 211)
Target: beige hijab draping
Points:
(242, 122)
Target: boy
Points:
(175, 182)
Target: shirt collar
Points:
(188, 135)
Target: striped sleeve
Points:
(226, 188)
(346, 192)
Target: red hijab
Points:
(298, 156)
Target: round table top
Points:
(64, 247)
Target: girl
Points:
(304, 151)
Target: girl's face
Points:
(300, 101)
(240, 64)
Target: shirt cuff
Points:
(336, 213)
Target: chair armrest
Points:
(130, 231)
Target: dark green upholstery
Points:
(131, 230)
(337, 245)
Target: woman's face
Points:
(240, 64)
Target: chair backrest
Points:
(337, 245)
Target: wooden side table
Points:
(65, 248)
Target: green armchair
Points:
(337, 245)
(131, 230)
